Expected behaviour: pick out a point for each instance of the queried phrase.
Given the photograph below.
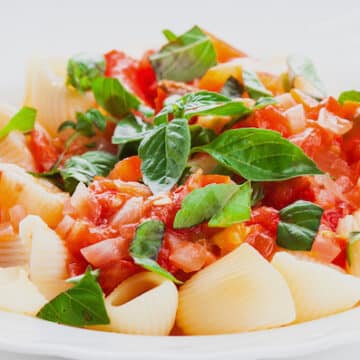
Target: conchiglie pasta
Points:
(37, 196)
(17, 293)
(12, 252)
(144, 304)
(47, 91)
(47, 256)
(240, 292)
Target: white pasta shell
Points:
(6, 112)
(46, 91)
(239, 292)
(318, 290)
(144, 304)
(17, 293)
(47, 256)
(38, 196)
(12, 252)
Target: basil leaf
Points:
(201, 136)
(350, 96)
(23, 121)
(170, 36)
(82, 69)
(222, 204)
(264, 101)
(259, 155)
(303, 76)
(82, 168)
(254, 86)
(233, 108)
(232, 88)
(164, 153)
(187, 57)
(111, 95)
(76, 279)
(298, 226)
(81, 305)
(88, 122)
(257, 193)
(130, 129)
(146, 245)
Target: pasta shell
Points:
(12, 252)
(38, 196)
(143, 304)
(318, 290)
(239, 292)
(6, 112)
(47, 256)
(47, 92)
(17, 293)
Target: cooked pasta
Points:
(12, 252)
(228, 296)
(144, 304)
(18, 293)
(47, 256)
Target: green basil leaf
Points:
(146, 245)
(257, 193)
(222, 204)
(111, 95)
(187, 57)
(82, 69)
(68, 124)
(232, 88)
(23, 121)
(164, 153)
(170, 36)
(76, 279)
(264, 101)
(82, 168)
(130, 129)
(201, 136)
(303, 76)
(233, 108)
(298, 226)
(82, 305)
(259, 155)
(236, 209)
(88, 122)
(351, 96)
(254, 86)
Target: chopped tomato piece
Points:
(199, 180)
(128, 169)
(266, 216)
(262, 240)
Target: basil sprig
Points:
(298, 226)
(259, 155)
(164, 153)
(23, 121)
(82, 305)
(349, 96)
(221, 204)
(254, 86)
(145, 247)
(185, 57)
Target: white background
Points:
(328, 31)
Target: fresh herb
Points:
(23, 121)
(82, 69)
(83, 168)
(146, 245)
(254, 86)
(76, 279)
(170, 36)
(221, 204)
(185, 57)
(259, 155)
(130, 129)
(257, 193)
(164, 153)
(264, 101)
(349, 96)
(201, 136)
(303, 76)
(232, 88)
(298, 226)
(82, 305)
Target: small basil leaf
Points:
(164, 153)
(298, 226)
(76, 279)
(350, 96)
(170, 36)
(264, 101)
(23, 121)
(146, 245)
(130, 129)
(82, 69)
(236, 209)
(257, 193)
(82, 168)
(68, 124)
(232, 88)
(111, 95)
(259, 155)
(303, 76)
(187, 57)
(201, 136)
(89, 121)
(254, 86)
(81, 305)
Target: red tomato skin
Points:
(262, 240)
(267, 217)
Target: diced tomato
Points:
(196, 181)
(262, 240)
(161, 95)
(331, 217)
(128, 169)
(266, 216)
(43, 150)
